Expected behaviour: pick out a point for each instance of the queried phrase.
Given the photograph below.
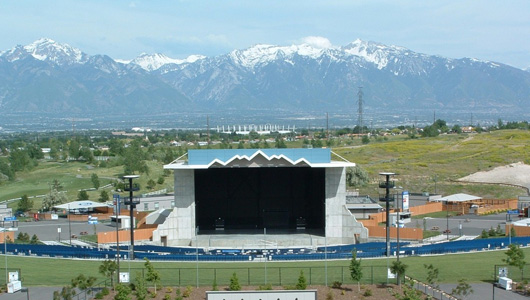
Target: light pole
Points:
(387, 184)
(5, 230)
(132, 205)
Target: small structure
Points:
(81, 207)
(461, 203)
(362, 206)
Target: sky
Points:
(489, 30)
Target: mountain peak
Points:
(151, 62)
(46, 49)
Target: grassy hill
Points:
(74, 176)
(422, 162)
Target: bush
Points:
(302, 283)
(266, 287)
(187, 291)
(105, 291)
(167, 297)
(367, 293)
(336, 285)
(329, 295)
(234, 283)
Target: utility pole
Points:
(360, 110)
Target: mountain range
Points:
(50, 77)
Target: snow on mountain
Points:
(48, 50)
(262, 54)
(376, 53)
(151, 62)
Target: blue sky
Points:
(488, 30)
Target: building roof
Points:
(238, 158)
(80, 204)
(459, 198)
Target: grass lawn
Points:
(74, 176)
(474, 267)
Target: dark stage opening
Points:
(279, 198)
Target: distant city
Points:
(283, 120)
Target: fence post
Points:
(248, 276)
(215, 274)
(179, 275)
(372, 274)
(280, 274)
(310, 272)
(342, 273)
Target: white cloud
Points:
(317, 42)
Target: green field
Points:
(73, 176)
(477, 267)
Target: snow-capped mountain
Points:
(47, 76)
(47, 50)
(151, 62)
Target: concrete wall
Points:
(339, 220)
(179, 228)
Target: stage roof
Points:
(458, 198)
(232, 158)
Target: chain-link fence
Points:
(254, 276)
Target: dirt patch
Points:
(516, 173)
(346, 292)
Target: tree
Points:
(151, 184)
(25, 204)
(462, 289)
(103, 196)
(122, 292)
(356, 271)
(54, 197)
(152, 275)
(432, 275)
(356, 176)
(365, 139)
(95, 180)
(107, 269)
(515, 257)
(140, 288)
(398, 268)
(34, 240)
(234, 283)
(67, 293)
(302, 282)
(85, 284)
(82, 195)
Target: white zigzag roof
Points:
(258, 158)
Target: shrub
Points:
(329, 295)
(234, 283)
(266, 287)
(302, 283)
(336, 285)
(367, 293)
(105, 291)
(169, 290)
(167, 297)
(187, 291)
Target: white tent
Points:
(459, 198)
(80, 206)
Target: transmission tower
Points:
(360, 110)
